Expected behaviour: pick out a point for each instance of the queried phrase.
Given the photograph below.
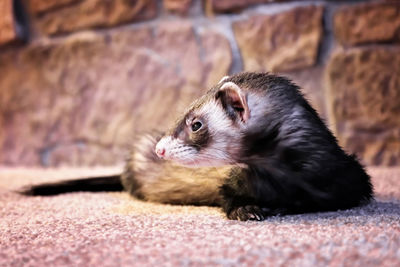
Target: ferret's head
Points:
(209, 133)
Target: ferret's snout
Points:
(160, 148)
(160, 151)
(165, 147)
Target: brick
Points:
(88, 14)
(368, 23)
(234, 5)
(39, 6)
(177, 6)
(364, 102)
(280, 42)
(7, 29)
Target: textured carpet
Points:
(112, 229)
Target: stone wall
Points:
(80, 78)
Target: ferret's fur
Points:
(253, 145)
(149, 178)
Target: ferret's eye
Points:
(196, 126)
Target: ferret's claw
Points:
(247, 213)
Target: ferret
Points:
(252, 145)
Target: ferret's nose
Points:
(160, 151)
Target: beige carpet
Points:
(112, 229)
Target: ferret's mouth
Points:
(173, 149)
(185, 162)
(178, 160)
(189, 160)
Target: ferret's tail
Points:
(92, 184)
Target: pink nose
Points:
(160, 152)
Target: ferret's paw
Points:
(248, 213)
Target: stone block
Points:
(234, 5)
(85, 14)
(177, 6)
(364, 102)
(368, 23)
(7, 24)
(39, 6)
(280, 42)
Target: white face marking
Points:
(177, 151)
(221, 128)
(170, 148)
(221, 150)
(215, 116)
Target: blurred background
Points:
(79, 79)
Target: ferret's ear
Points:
(233, 99)
(224, 79)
